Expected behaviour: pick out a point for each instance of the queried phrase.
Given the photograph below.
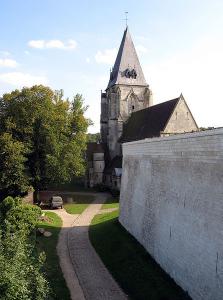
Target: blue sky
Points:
(72, 45)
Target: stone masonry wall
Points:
(172, 202)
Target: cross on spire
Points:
(126, 18)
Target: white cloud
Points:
(7, 62)
(106, 57)
(53, 44)
(39, 44)
(88, 60)
(20, 79)
(141, 49)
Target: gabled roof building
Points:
(128, 114)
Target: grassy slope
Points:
(52, 267)
(111, 203)
(79, 204)
(75, 208)
(129, 263)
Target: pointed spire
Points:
(127, 69)
(181, 96)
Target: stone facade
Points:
(171, 201)
(96, 169)
(124, 95)
(117, 104)
(95, 164)
(181, 120)
(127, 104)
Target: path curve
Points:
(86, 276)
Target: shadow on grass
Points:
(133, 268)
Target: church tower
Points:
(127, 92)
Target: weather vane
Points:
(126, 18)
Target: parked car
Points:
(56, 201)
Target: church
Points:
(128, 114)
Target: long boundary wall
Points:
(172, 203)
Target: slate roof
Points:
(148, 122)
(116, 162)
(127, 59)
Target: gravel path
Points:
(85, 274)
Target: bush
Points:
(7, 204)
(21, 276)
(23, 218)
(17, 216)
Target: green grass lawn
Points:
(52, 267)
(79, 204)
(133, 268)
(111, 203)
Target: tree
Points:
(93, 137)
(67, 159)
(51, 133)
(12, 165)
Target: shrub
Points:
(7, 204)
(18, 216)
(21, 276)
(23, 218)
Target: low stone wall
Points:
(172, 202)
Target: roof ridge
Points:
(158, 104)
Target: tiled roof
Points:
(148, 122)
(127, 59)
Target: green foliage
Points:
(15, 216)
(12, 165)
(21, 275)
(93, 137)
(42, 136)
(8, 204)
(23, 218)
